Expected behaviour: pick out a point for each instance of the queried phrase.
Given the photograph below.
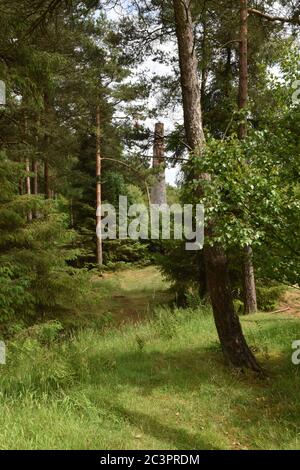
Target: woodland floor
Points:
(291, 302)
(150, 380)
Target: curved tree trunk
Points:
(234, 346)
(233, 343)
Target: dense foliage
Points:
(59, 62)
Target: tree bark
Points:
(36, 177)
(158, 192)
(234, 346)
(27, 170)
(190, 83)
(35, 166)
(47, 107)
(249, 282)
(28, 185)
(249, 274)
(98, 186)
(47, 178)
(20, 186)
(35, 170)
(204, 68)
(243, 65)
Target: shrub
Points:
(268, 297)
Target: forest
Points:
(173, 322)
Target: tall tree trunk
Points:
(234, 346)
(27, 170)
(189, 78)
(158, 192)
(249, 276)
(28, 185)
(98, 186)
(47, 108)
(47, 177)
(249, 282)
(204, 42)
(243, 65)
(35, 170)
(35, 166)
(20, 186)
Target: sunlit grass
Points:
(161, 384)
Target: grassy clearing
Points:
(157, 385)
(123, 297)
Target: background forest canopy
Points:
(77, 80)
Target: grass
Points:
(119, 298)
(157, 384)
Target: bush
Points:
(167, 322)
(184, 269)
(268, 297)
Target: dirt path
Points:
(134, 293)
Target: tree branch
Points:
(268, 17)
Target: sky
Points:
(153, 68)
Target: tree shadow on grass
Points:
(271, 413)
(177, 438)
(271, 404)
(184, 370)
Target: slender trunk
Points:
(35, 167)
(47, 178)
(234, 346)
(71, 213)
(27, 170)
(35, 170)
(48, 192)
(243, 65)
(28, 185)
(204, 68)
(98, 187)
(20, 186)
(158, 192)
(189, 79)
(249, 275)
(249, 282)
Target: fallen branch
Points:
(282, 310)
